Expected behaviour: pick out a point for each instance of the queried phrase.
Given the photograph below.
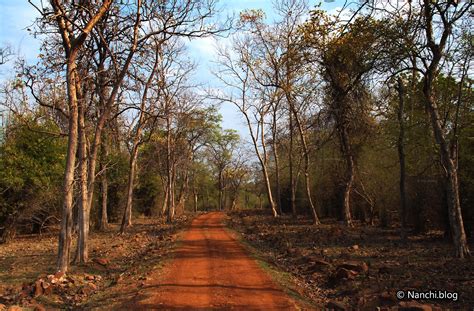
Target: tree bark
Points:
(127, 214)
(65, 234)
(277, 160)
(346, 151)
(263, 162)
(83, 219)
(221, 187)
(277, 178)
(451, 175)
(401, 157)
(165, 202)
(104, 220)
(71, 45)
(314, 214)
(195, 195)
(170, 171)
(292, 177)
(448, 163)
(183, 193)
(104, 190)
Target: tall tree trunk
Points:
(220, 207)
(346, 151)
(170, 172)
(448, 163)
(83, 219)
(277, 179)
(127, 215)
(183, 192)
(292, 177)
(195, 195)
(72, 45)
(277, 160)
(165, 202)
(106, 109)
(224, 197)
(234, 202)
(263, 162)
(104, 190)
(172, 195)
(104, 187)
(306, 162)
(261, 158)
(401, 157)
(451, 175)
(65, 234)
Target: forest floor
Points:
(201, 266)
(281, 263)
(358, 268)
(117, 262)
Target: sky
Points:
(16, 16)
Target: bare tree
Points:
(235, 73)
(73, 34)
(436, 45)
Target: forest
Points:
(349, 180)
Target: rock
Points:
(413, 306)
(93, 286)
(336, 306)
(355, 247)
(38, 288)
(355, 266)
(102, 261)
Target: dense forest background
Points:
(365, 117)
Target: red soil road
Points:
(212, 271)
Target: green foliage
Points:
(117, 175)
(31, 168)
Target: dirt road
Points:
(212, 271)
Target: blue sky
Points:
(17, 15)
(202, 52)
